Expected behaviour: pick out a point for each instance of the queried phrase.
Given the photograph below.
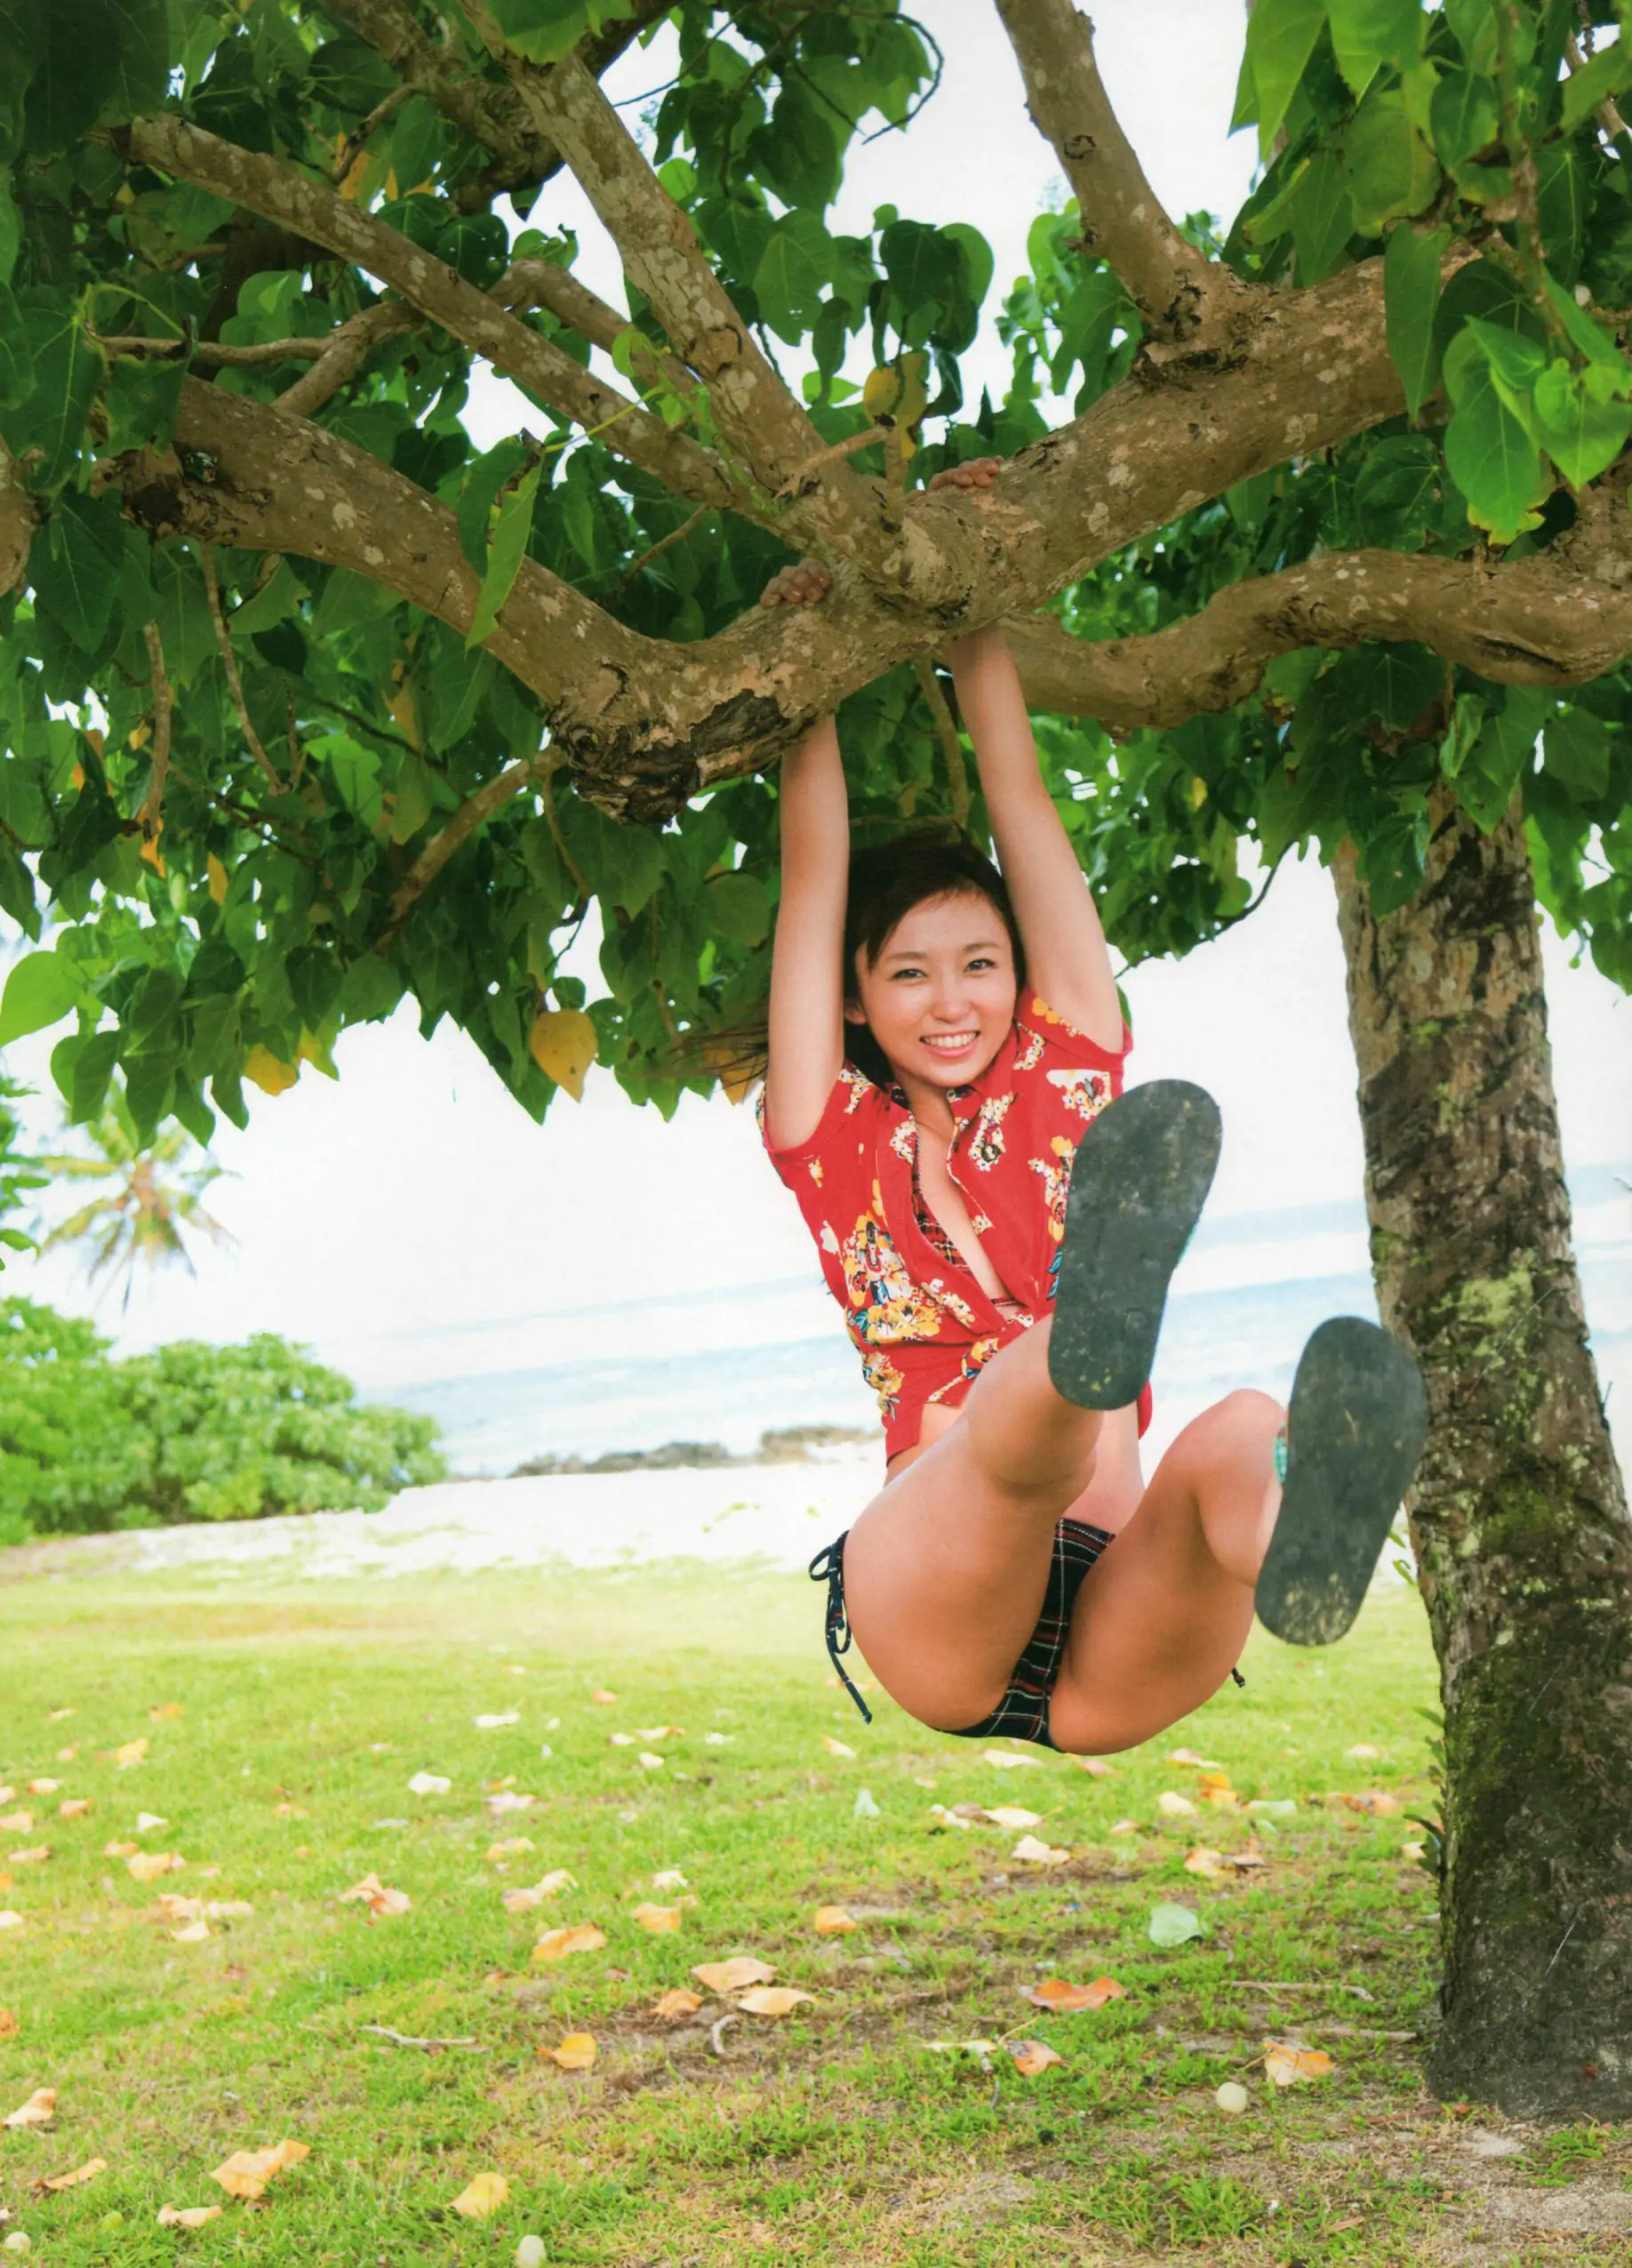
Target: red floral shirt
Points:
(925, 1326)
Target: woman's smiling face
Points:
(940, 998)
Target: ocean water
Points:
(724, 1366)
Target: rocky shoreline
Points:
(778, 1445)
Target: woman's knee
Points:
(1246, 1419)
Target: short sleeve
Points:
(842, 1101)
(1075, 1046)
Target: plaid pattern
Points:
(1022, 1713)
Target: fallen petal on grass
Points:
(773, 2000)
(430, 1783)
(1011, 1815)
(376, 1896)
(246, 2173)
(657, 1919)
(676, 2002)
(38, 2111)
(76, 2180)
(574, 2053)
(484, 2195)
(731, 1975)
(1031, 1852)
(833, 1921)
(188, 2217)
(837, 1748)
(1172, 1806)
(577, 1937)
(1286, 2064)
(1032, 2056)
(1208, 1864)
(1007, 1761)
(1055, 1994)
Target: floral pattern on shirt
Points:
(885, 1305)
(985, 1143)
(885, 1380)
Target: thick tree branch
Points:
(344, 353)
(542, 282)
(834, 511)
(283, 484)
(1544, 620)
(265, 186)
(1177, 288)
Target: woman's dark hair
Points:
(886, 881)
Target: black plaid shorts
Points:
(1022, 1713)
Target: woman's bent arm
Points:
(1067, 959)
(807, 998)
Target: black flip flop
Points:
(1355, 1429)
(1141, 1178)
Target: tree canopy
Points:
(308, 703)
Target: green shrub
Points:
(189, 1432)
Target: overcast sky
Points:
(414, 1196)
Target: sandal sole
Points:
(1141, 1178)
(1356, 1430)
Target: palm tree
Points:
(154, 1203)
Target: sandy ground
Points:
(776, 1515)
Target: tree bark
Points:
(1518, 1513)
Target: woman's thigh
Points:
(1159, 1622)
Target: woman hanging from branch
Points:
(947, 1048)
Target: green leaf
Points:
(75, 568)
(42, 989)
(1391, 860)
(505, 552)
(1396, 492)
(1576, 751)
(1173, 1925)
(1594, 343)
(1609, 72)
(1491, 456)
(142, 397)
(792, 274)
(1579, 434)
(1563, 197)
(82, 1066)
(1280, 39)
(1321, 217)
(67, 369)
(1366, 34)
(355, 771)
(1412, 265)
(1504, 753)
(1463, 115)
(1387, 168)
(738, 908)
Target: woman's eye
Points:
(982, 965)
(900, 973)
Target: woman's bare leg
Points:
(945, 1571)
(1162, 1617)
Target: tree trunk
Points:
(1518, 1514)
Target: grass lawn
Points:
(282, 1728)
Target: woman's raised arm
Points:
(1068, 961)
(807, 989)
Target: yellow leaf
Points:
(1010, 1814)
(832, 1921)
(147, 1866)
(271, 1075)
(42, 1787)
(731, 1975)
(676, 2002)
(166, 1708)
(38, 2111)
(131, 1753)
(1032, 1852)
(35, 1858)
(512, 1848)
(578, 1937)
(575, 2053)
(1054, 1994)
(1175, 1807)
(8, 2024)
(835, 1748)
(1096, 1764)
(657, 1918)
(773, 2000)
(1287, 2065)
(17, 1823)
(1032, 2056)
(603, 1699)
(1212, 1780)
(1208, 1864)
(73, 1806)
(120, 1850)
(246, 2173)
(669, 1877)
(1006, 1760)
(484, 2195)
(216, 874)
(149, 852)
(378, 1898)
(85, 2173)
(1375, 1800)
(563, 1043)
(186, 2216)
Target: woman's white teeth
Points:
(949, 1041)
